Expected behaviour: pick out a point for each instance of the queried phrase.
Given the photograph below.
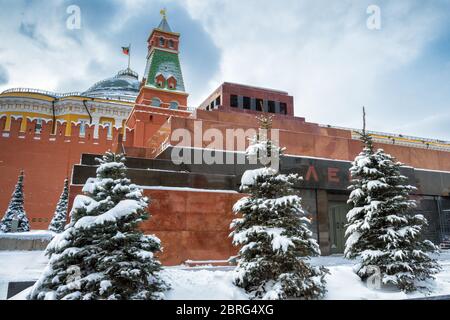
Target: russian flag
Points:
(126, 50)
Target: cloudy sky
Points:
(321, 52)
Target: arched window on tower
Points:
(160, 80)
(171, 44)
(174, 105)
(156, 102)
(172, 82)
(161, 42)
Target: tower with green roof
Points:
(163, 84)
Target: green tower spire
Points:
(163, 70)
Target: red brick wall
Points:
(165, 96)
(46, 164)
(309, 139)
(227, 89)
(189, 227)
(259, 93)
(153, 40)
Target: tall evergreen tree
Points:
(274, 232)
(16, 210)
(60, 217)
(382, 230)
(102, 254)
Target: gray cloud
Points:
(29, 30)
(323, 54)
(319, 51)
(93, 52)
(3, 75)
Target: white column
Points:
(96, 122)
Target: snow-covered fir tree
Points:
(102, 254)
(16, 211)
(382, 230)
(60, 217)
(274, 233)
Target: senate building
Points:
(52, 136)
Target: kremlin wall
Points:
(45, 134)
(53, 136)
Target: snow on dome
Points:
(123, 86)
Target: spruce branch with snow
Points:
(382, 231)
(262, 150)
(60, 217)
(102, 254)
(274, 235)
(15, 214)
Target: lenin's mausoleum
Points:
(53, 136)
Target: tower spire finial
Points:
(164, 25)
(163, 13)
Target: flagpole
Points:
(129, 56)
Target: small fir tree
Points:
(274, 232)
(60, 217)
(16, 211)
(102, 254)
(382, 231)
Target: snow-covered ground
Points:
(344, 284)
(201, 284)
(19, 266)
(30, 235)
(214, 283)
